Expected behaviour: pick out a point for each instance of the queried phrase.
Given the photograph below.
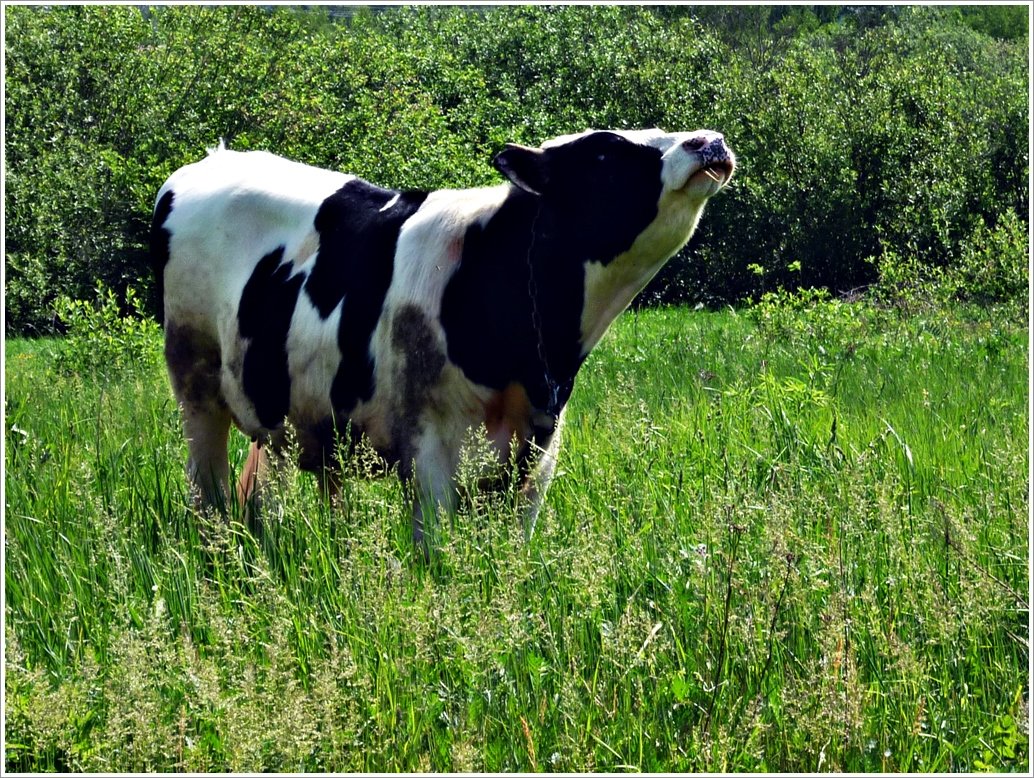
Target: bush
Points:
(102, 104)
(101, 341)
(901, 128)
(906, 284)
(905, 135)
(993, 266)
(991, 272)
(807, 316)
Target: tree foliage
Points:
(859, 130)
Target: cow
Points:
(306, 298)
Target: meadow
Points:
(786, 538)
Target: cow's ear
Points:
(524, 166)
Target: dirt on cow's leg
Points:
(207, 430)
(422, 457)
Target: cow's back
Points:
(224, 215)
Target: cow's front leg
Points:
(434, 478)
(537, 483)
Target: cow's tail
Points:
(159, 247)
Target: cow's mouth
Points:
(718, 171)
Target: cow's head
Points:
(627, 201)
(620, 164)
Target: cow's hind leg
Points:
(194, 365)
(207, 431)
(316, 454)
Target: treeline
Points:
(889, 137)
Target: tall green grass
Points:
(791, 540)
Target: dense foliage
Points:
(863, 133)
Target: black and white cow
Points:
(297, 294)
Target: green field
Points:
(786, 540)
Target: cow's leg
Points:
(330, 481)
(434, 471)
(194, 364)
(317, 453)
(207, 429)
(537, 483)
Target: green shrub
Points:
(101, 341)
(991, 271)
(906, 284)
(993, 266)
(808, 316)
(904, 135)
(903, 128)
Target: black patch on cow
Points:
(159, 245)
(602, 192)
(420, 366)
(355, 263)
(264, 317)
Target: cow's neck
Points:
(611, 286)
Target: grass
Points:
(791, 540)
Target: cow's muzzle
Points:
(717, 161)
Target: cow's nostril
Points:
(694, 144)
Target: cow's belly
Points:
(397, 423)
(313, 360)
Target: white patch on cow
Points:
(313, 357)
(390, 203)
(430, 244)
(428, 251)
(680, 165)
(229, 211)
(304, 254)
